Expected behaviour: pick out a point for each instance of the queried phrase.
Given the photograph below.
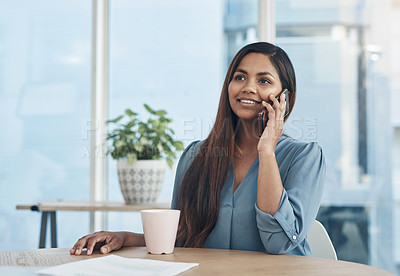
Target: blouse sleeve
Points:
(303, 186)
(185, 161)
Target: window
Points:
(164, 54)
(45, 56)
(339, 70)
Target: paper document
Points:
(116, 265)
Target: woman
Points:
(237, 190)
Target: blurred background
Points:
(173, 55)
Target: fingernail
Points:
(88, 252)
(105, 250)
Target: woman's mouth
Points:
(247, 102)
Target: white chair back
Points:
(320, 243)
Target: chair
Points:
(320, 243)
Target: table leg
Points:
(53, 229)
(43, 229)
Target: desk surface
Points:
(91, 206)
(212, 261)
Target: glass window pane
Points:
(343, 98)
(169, 55)
(45, 57)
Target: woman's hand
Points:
(274, 129)
(106, 241)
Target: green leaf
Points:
(130, 112)
(131, 158)
(131, 123)
(148, 108)
(119, 144)
(130, 136)
(178, 145)
(155, 125)
(111, 136)
(170, 163)
(168, 138)
(161, 113)
(163, 126)
(138, 147)
(116, 119)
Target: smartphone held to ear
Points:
(263, 115)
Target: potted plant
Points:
(139, 148)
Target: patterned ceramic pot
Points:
(141, 181)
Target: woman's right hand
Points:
(106, 241)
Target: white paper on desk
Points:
(116, 265)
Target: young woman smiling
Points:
(258, 193)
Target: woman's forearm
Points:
(269, 184)
(133, 239)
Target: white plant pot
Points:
(141, 181)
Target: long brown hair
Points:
(201, 186)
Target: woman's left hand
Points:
(274, 129)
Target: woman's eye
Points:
(239, 77)
(264, 81)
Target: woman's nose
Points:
(250, 87)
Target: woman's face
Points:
(253, 81)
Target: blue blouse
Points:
(241, 225)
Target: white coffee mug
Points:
(160, 227)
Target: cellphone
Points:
(263, 117)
